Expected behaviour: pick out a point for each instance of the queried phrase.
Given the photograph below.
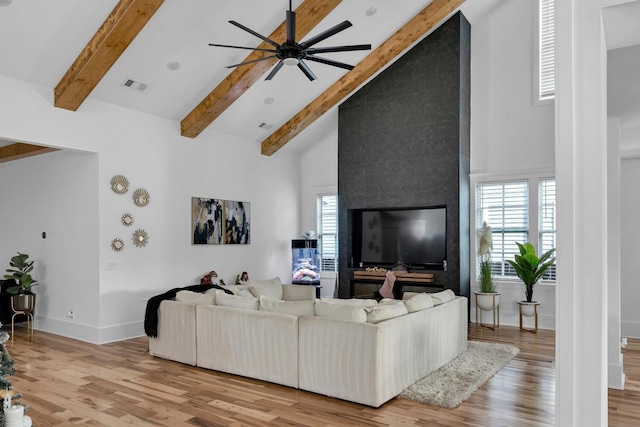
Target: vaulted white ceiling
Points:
(40, 39)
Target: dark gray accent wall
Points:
(403, 141)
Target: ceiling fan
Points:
(292, 53)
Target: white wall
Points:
(150, 152)
(319, 175)
(629, 249)
(509, 133)
(57, 194)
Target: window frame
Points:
(537, 99)
(533, 180)
(320, 234)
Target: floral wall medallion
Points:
(127, 219)
(140, 238)
(117, 245)
(119, 184)
(141, 197)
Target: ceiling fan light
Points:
(290, 61)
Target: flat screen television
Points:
(416, 237)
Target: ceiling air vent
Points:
(134, 85)
(264, 125)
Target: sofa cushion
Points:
(340, 311)
(227, 300)
(271, 288)
(385, 311)
(443, 296)
(195, 297)
(356, 302)
(419, 302)
(295, 308)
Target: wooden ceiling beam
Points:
(21, 150)
(122, 25)
(308, 15)
(427, 19)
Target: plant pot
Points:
(24, 302)
(487, 301)
(528, 309)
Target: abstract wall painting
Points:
(207, 221)
(237, 223)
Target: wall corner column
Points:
(581, 177)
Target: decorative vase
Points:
(24, 302)
(528, 309)
(487, 301)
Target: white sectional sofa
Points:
(339, 348)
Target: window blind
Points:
(327, 218)
(547, 221)
(505, 208)
(547, 47)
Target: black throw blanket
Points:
(151, 313)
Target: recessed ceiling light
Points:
(173, 65)
(371, 11)
(269, 100)
(5, 2)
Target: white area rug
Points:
(454, 382)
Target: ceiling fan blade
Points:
(306, 70)
(241, 47)
(339, 48)
(275, 70)
(291, 26)
(325, 34)
(329, 62)
(250, 31)
(252, 61)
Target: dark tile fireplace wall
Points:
(403, 141)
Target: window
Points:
(547, 221)
(517, 211)
(327, 208)
(505, 207)
(546, 50)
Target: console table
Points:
(403, 280)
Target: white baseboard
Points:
(616, 376)
(90, 334)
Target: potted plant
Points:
(20, 271)
(487, 298)
(530, 268)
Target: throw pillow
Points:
(443, 296)
(340, 311)
(246, 291)
(385, 311)
(227, 300)
(409, 295)
(295, 308)
(231, 288)
(419, 302)
(195, 297)
(271, 288)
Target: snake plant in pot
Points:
(20, 272)
(487, 296)
(530, 268)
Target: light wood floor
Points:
(70, 383)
